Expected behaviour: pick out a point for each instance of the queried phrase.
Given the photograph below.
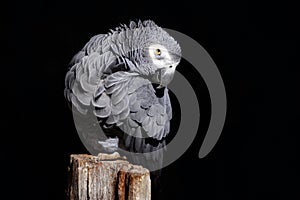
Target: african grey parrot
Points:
(123, 76)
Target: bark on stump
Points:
(107, 176)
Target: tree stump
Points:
(107, 176)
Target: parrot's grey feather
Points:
(117, 97)
(132, 25)
(136, 83)
(117, 109)
(167, 103)
(161, 132)
(152, 127)
(147, 126)
(94, 44)
(70, 76)
(112, 119)
(117, 78)
(77, 57)
(132, 98)
(85, 85)
(114, 48)
(167, 128)
(77, 105)
(132, 123)
(102, 112)
(135, 107)
(124, 114)
(113, 88)
(102, 101)
(139, 116)
(99, 90)
(160, 120)
(146, 121)
(82, 96)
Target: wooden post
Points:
(107, 176)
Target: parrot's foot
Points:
(110, 145)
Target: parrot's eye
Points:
(157, 52)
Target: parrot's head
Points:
(158, 52)
(165, 61)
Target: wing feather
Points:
(102, 101)
(102, 112)
(117, 97)
(117, 109)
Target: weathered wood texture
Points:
(106, 177)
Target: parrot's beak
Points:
(165, 76)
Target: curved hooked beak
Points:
(165, 76)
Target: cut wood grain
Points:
(107, 176)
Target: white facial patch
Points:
(160, 56)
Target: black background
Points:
(255, 46)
